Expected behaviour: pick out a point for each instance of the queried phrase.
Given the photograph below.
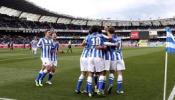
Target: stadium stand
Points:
(21, 20)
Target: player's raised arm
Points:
(109, 31)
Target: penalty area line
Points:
(6, 99)
(171, 97)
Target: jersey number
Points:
(96, 41)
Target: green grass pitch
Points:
(143, 78)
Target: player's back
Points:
(114, 40)
(106, 51)
(95, 41)
(116, 50)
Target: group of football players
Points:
(101, 59)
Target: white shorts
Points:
(107, 64)
(117, 65)
(34, 49)
(83, 64)
(95, 64)
(46, 62)
(54, 63)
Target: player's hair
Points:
(47, 30)
(90, 32)
(99, 30)
(111, 30)
(94, 29)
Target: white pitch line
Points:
(15, 59)
(171, 97)
(6, 99)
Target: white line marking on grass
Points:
(6, 99)
(171, 97)
(16, 59)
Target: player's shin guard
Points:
(39, 75)
(79, 83)
(86, 88)
(89, 83)
(35, 52)
(119, 83)
(101, 83)
(43, 75)
(111, 79)
(50, 76)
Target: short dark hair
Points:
(94, 29)
(90, 31)
(111, 30)
(99, 30)
(47, 30)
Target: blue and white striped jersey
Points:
(34, 43)
(54, 49)
(85, 53)
(95, 40)
(106, 52)
(116, 50)
(46, 46)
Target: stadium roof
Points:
(25, 6)
(28, 10)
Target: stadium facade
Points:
(25, 19)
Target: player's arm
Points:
(111, 44)
(101, 46)
(57, 48)
(106, 28)
(119, 44)
(105, 36)
(85, 41)
(39, 44)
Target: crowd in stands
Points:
(16, 39)
(73, 41)
(75, 34)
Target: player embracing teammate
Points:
(104, 56)
(116, 62)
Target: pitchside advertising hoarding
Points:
(15, 45)
(28, 45)
(134, 35)
(143, 35)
